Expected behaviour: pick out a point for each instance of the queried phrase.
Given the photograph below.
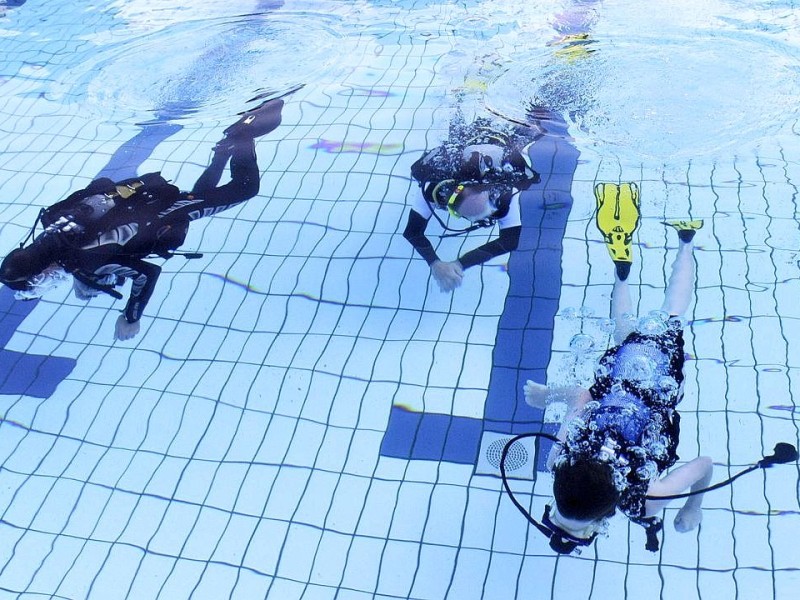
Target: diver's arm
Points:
(142, 289)
(143, 275)
(577, 397)
(537, 395)
(415, 234)
(510, 229)
(505, 243)
(696, 475)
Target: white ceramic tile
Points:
(296, 561)
(330, 558)
(251, 585)
(363, 562)
(503, 574)
(410, 512)
(398, 562)
(264, 551)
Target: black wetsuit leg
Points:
(206, 198)
(213, 173)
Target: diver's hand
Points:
(125, 331)
(448, 275)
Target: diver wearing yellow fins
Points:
(618, 443)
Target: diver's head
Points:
(19, 266)
(584, 490)
(23, 269)
(473, 201)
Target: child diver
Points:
(620, 435)
(476, 175)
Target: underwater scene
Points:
(399, 299)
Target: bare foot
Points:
(688, 518)
(535, 394)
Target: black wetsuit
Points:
(101, 237)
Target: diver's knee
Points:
(249, 187)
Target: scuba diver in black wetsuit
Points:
(477, 174)
(102, 233)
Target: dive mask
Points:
(495, 192)
(565, 539)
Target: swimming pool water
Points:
(304, 415)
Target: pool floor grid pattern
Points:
(233, 449)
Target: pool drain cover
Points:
(516, 458)
(520, 460)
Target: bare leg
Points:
(621, 305)
(679, 290)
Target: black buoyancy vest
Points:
(81, 217)
(144, 196)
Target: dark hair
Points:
(585, 490)
(468, 171)
(23, 263)
(16, 269)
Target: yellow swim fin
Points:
(573, 46)
(685, 229)
(618, 217)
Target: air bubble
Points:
(581, 344)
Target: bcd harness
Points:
(114, 212)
